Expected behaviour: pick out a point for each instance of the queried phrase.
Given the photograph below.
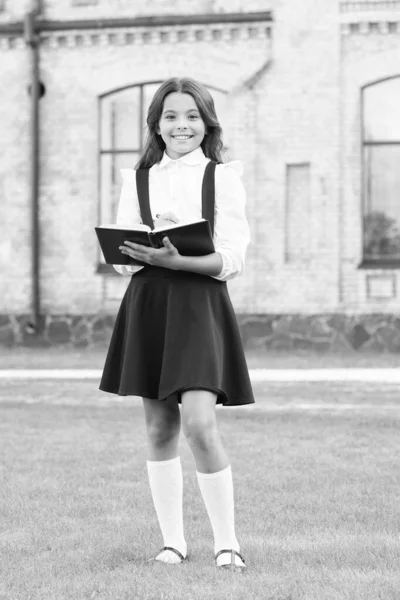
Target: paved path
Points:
(390, 375)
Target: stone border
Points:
(369, 5)
(215, 32)
(323, 333)
(383, 27)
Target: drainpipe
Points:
(32, 40)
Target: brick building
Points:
(308, 95)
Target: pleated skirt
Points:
(176, 331)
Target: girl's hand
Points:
(167, 218)
(167, 257)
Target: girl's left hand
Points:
(167, 257)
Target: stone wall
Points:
(293, 85)
(324, 333)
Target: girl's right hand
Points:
(167, 218)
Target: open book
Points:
(192, 238)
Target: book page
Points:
(176, 225)
(137, 227)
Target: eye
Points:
(193, 116)
(169, 117)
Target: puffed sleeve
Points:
(232, 232)
(128, 213)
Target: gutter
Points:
(32, 41)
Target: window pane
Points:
(382, 111)
(148, 93)
(382, 195)
(111, 182)
(120, 120)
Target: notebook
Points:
(192, 238)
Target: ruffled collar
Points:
(192, 158)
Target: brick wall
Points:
(297, 104)
(370, 51)
(76, 68)
(294, 100)
(91, 9)
(14, 181)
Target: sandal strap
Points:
(174, 550)
(232, 552)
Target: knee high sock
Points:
(217, 492)
(166, 484)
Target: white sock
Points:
(166, 484)
(217, 492)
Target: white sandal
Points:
(231, 566)
(183, 558)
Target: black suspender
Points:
(207, 195)
(142, 185)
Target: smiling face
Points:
(181, 126)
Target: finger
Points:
(133, 253)
(127, 250)
(170, 216)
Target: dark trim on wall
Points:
(161, 21)
(379, 263)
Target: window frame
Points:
(372, 263)
(102, 267)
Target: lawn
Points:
(60, 357)
(316, 472)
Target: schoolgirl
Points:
(176, 340)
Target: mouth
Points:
(182, 137)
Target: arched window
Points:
(122, 125)
(381, 172)
(122, 128)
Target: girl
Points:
(176, 341)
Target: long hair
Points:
(154, 144)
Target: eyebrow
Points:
(174, 111)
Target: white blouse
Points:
(175, 185)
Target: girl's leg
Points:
(164, 469)
(199, 424)
(163, 425)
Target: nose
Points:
(182, 123)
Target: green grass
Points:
(316, 496)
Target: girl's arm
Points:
(211, 264)
(128, 213)
(232, 232)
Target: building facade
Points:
(308, 96)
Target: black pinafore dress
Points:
(176, 330)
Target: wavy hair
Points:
(154, 144)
